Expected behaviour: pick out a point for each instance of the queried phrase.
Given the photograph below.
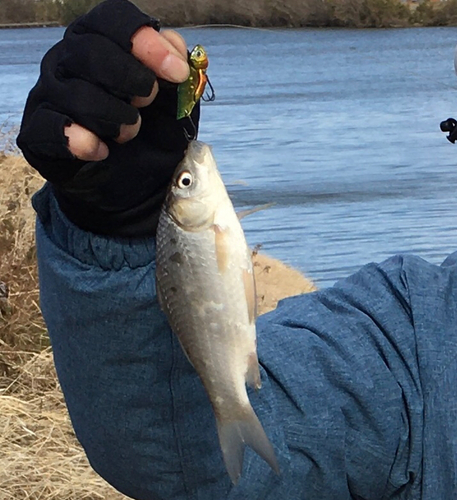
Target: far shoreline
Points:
(43, 24)
(55, 24)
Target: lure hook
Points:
(190, 136)
(209, 97)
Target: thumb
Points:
(163, 54)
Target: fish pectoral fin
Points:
(234, 434)
(221, 241)
(250, 294)
(253, 372)
(244, 213)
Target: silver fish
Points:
(205, 285)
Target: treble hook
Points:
(193, 136)
(209, 97)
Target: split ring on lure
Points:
(190, 91)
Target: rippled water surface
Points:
(339, 128)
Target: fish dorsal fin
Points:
(244, 213)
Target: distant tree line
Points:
(29, 11)
(280, 13)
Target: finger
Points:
(142, 102)
(128, 132)
(108, 66)
(160, 55)
(84, 144)
(177, 41)
(92, 107)
(180, 45)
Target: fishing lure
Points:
(190, 91)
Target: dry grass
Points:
(22, 330)
(39, 455)
(40, 458)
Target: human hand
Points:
(166, 55)
(100, 126)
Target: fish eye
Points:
(185, 180)
(198, 53)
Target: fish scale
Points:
(211, 306)
(205, 285)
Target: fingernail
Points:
(174, 69)
(102, 152)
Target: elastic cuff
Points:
(89, 248)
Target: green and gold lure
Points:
(190, 91)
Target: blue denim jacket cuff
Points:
(89, 248)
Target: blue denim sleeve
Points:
(344, 378)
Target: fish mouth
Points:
(197, 151)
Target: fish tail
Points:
(235, 434)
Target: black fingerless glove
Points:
(89, 78)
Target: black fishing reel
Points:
(450, 125)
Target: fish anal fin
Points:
(235, 434)
(253, 372)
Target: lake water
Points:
(340, 128)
